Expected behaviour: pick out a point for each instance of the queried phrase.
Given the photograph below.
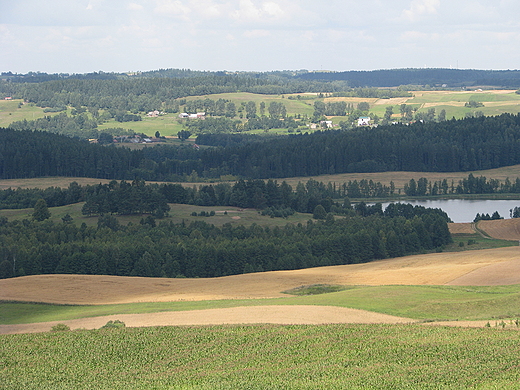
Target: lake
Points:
(465, 210)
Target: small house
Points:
(363, 121)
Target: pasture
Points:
(177, 214)
(14, 110)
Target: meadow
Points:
(177, 214)
(419, 303)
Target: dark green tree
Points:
(41, 212)
(183, 135)
(319, 212)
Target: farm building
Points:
(363, 121)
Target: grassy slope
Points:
(177, 214)
(417, 302)
(9, 112)
(263, 357)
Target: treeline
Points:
(470, 185)
(369, 80)
(25, 154)
(138, 197)
(125, 199)
(203, 250)
(147, 94)
(449, 146)
(432, 77)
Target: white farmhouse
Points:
(363, 121)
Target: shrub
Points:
(114, 324)
(60, 328)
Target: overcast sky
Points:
(79, 36)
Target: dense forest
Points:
(448, 146)
(374, 78)
(421, 77)
(202, 250)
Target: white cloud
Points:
(174, 8)
(256, 33)
(272, 9)
(418, 8)
(135, 7)
(208, 8)
(261, 12)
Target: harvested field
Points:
(284, 315)
(503, 229)
(431, 269)
(462, 228)
(504, 273)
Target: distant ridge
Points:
(415, 76)
(434, 77)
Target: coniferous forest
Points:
(449, 146)
(199, 249)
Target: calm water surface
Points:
(464, 210)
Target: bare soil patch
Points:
(284, 315)
(431, 269)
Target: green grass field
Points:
(166, 125)
(9, 112)
(263, 357)
(177, 214)
(422, 303)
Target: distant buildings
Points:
(198, 115)
(363, 121)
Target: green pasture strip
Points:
(293, 106)
(26, 313)
(427, 302)
(465, 242)
(422, 303)
(9, 112)
(263, 357)
(167, 125)
(177, 213)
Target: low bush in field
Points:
(113, 324)
(60, 328)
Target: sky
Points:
(81, 36)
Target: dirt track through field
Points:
(285, 315)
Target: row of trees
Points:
(202, 250)
(470, 185)
(124, 199)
